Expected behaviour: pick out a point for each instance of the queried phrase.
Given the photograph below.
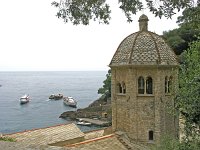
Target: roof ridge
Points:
(138, 33)
(35, 129)
(91, 140)
(159, 59)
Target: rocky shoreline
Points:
(99, 109)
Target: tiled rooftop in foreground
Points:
(47, 136)
(68, 137)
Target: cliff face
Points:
(101, 109)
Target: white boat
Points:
(83, 123)
(69, 101)
(24, 99)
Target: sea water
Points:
(40, 111)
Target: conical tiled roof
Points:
(143, 48)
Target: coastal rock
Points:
(97, 109)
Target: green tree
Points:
(82, 11)
(188, 31)
(168, 143)
(106, 89)
(180, 38)
(190, 17)
(188, 99)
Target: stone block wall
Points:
(137, 114)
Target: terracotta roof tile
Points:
(48, 135)
(143, 48)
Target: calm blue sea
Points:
(40, 111)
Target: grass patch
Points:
(7, 139)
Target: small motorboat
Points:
(52, 96)
(83, 123)
(24, 99)
(56, 97)
(69, 101)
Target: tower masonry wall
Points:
(137, 114)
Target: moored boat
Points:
(83, 123)
(24, 99)
(52, 96)
(69, 101)
(56, 97)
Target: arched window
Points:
(141, 85)
(149, 85)
(166, 84)
(170, 84)
(150, 135)
(123, 87)
(119, 88)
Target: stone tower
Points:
(144, 82)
